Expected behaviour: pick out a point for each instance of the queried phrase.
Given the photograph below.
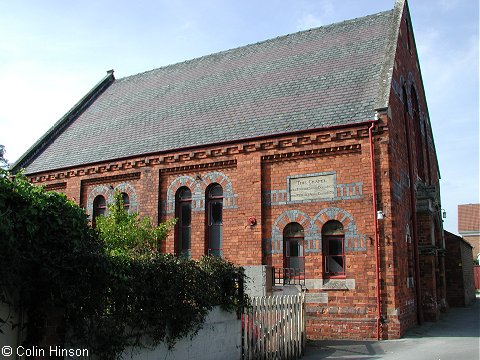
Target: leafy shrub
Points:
(127, 234)
(112, 286)
(49, 256)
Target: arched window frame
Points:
(293, 250)
(99, 208)
(214, 220)
(333, 248)
(126, 201)
(183, 228)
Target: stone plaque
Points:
(319, 298)
(312, 187)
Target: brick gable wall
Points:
(414, 194)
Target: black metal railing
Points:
(288, 276)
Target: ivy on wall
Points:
(50, 255)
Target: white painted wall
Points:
(9, 337)
(219, 339)
(258, 280)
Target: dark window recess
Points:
(183, 212)
(99, 208)
(333, 238)
(214, 217)
(293, 242)
(126, 201)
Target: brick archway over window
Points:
(198, 188)
(229, 197)
(103, 190)
(177, 183)
(132, 195)
(353, 241)
(108, 193)
(274, 245)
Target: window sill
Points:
(339, 283)
(330, 284)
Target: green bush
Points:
(50, 255)
(126, 234)
(112, 286)
(151, 297)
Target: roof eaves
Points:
(64, 121)
(199, 146)
(384, 87)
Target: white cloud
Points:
(313, 13)
(308, 21)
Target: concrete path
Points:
(455, 336)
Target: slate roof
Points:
(328, 76)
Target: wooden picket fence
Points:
(274, 328)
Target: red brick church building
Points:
(311, 152)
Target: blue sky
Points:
(53, 51)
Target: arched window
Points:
(126, 201)
(294, 260)
(333, 239)
(418, 134)
(183, 212)
(214, 219)
(99, 208)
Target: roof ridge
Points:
(261, 42)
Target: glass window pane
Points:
(216, 191)
(215, 252)
(126, 199)
(294, 248)
(214, 216)
(334, 264)
(185, 238)
(186, 214)
(99, 202)
(338, 263)
(215, 236)
(185, 194)
(216, 213)
(99, 206)
(293, 229)
(335, 247)
(333, 227)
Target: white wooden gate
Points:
(274, 328)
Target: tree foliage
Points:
(151, 297)
(127, 234)
(112, 286)
(49, 252)
(3, 161)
